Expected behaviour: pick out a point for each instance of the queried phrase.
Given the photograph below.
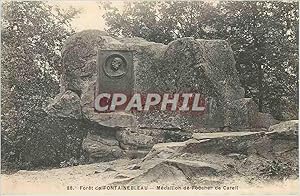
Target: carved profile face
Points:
(115, 66)
(116, 63)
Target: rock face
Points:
(241, 113)
(145, 139)
(215, 158)
(66, 104)
(189, 65)
(185, 65)
(264, 120)
(102, 149)
(106, 144)
(134, 139)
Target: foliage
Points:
(263, 36)
(44, 141)
(161, 21)
(32, 36)
(264, 39)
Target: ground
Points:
(100, 174)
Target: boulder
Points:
(142, 139)
(102, 149)
(190, 66)
(264, 120)
(241, 113)
(186, 65)
(212, 158)
(287, 130)
(285, 141)
(224, 143)
(167, 150)
(66, 104)
(269, 145)
(176, 172)
(160, 174)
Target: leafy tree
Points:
(264, 39)
(32, 36)
(263, 36)
(161, 21)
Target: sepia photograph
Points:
(149, 97)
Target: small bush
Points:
(42, 141)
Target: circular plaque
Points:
(115, 66)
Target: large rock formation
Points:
(215, 158)
(185, 65)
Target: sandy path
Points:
(56, 181)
